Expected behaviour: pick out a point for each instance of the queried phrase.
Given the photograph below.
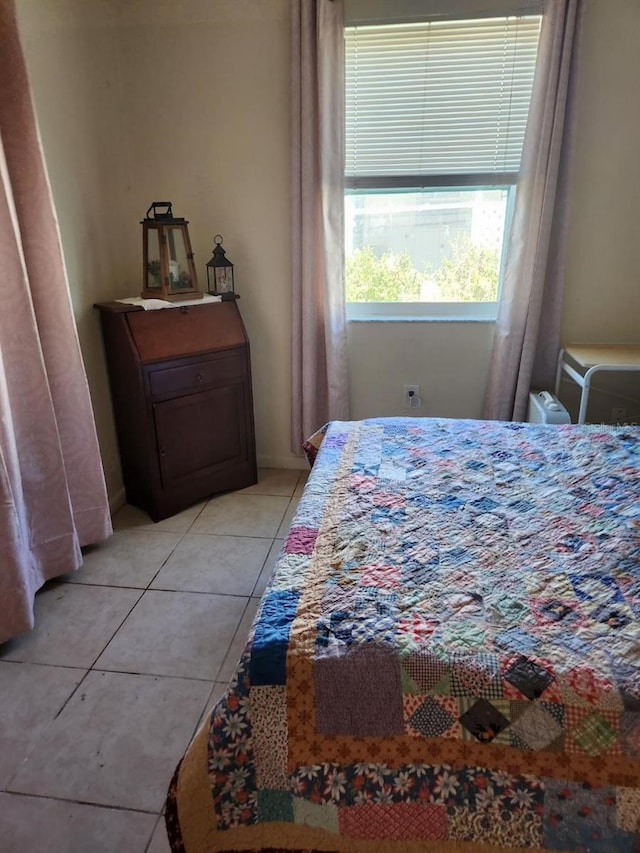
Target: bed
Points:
(447, 655)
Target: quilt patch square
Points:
(383, 577)
(554, 610)
(431, 719)
(275, 805)
(583, 814)
(425, 669)
(319, 815)
(516, 640)
(339, 597)
(628, 809)
(268, 664)
(530, 679)
(503, 828)
(536, 728)
(611, 615)
(300, 540)
(269, 726)
(593, 734)
(484, 721)
(585, 684)
(414, 630)
(476, 675)
(358, 692)
(576, 833)
(394, 821)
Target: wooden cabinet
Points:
(181, 386)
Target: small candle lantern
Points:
(220, 272)
(168, 270)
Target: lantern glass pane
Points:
(154, 272)
(224, 279)
(179, 273)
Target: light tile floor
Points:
(99, 701)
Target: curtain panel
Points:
(319, 383)
(53, 498)
(527, 337)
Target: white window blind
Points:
(440, 98)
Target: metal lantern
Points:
(168, 271)
(220, 272)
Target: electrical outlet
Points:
(411, 396)
(618, 414)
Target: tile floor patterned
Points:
(129, 654)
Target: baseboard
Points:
(299, 463)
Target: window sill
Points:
(421, 312)
(419, 319)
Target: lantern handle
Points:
(167, 214)
(218, 240)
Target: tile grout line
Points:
(147, 589)
(153, 831)
(264, 563)
(169, 555)
(222, 662)
(91, 667)
(104, 671)
(138, 600)
(13, 793)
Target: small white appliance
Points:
(544, 408)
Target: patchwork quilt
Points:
(446, 658)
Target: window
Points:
(435, 119)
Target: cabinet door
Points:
(202, 437)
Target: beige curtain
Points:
(528, 326)
(319, 386)
(52, 493)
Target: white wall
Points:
(188, 100)
(602, 296)
(207, 117)
(449, 361)
(602, 290)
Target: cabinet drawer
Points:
(196, 376)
